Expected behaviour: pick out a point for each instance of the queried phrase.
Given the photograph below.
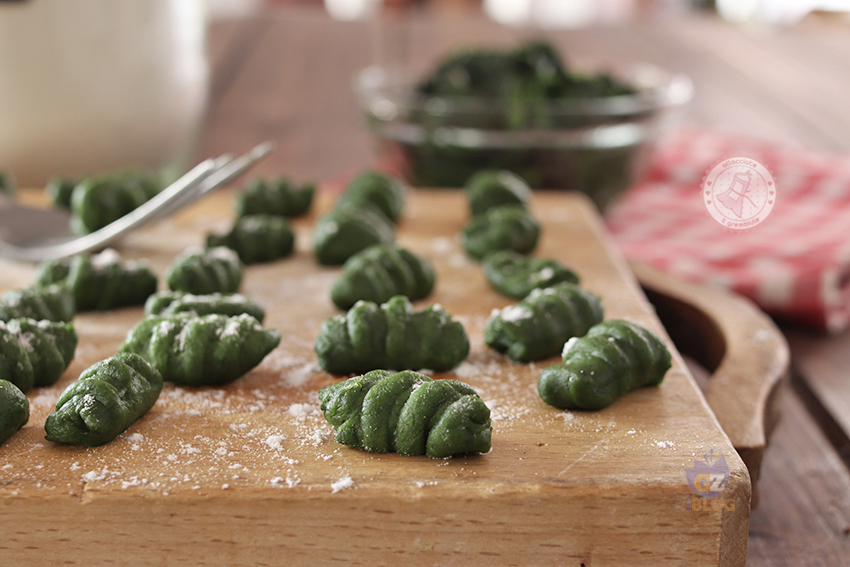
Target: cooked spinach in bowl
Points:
(525, 111)
(517, 87)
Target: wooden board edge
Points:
(747, 353)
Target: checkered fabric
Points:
(795, 264)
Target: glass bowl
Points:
(598, 146)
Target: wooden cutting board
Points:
(250, 473)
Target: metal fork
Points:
(203, 178)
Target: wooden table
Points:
(286, 74)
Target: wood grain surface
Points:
(250, 473)
(287, 72)
(747, 355)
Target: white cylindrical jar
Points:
(88, 86)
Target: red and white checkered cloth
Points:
(794, 265)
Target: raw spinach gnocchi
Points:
(516, 275)
(100, 282)
(7, 184)
(35, 353)
(538, 326)
(14, 410)
(372, 336)
(500, 228)
(59, 190)
(612, 359)
(407, 413)
(53, 302)
(230, 304)
(278, 197)
(489, 189)
(257, 238)
(382, 191)
(380, 272)
(214, 270)
(99, 201)
(210, 350)
(348, 229)
(106, 399)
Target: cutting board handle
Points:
(745, 352)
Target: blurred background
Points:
(755, 65)
(105, 84)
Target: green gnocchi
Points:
(380, 272)
(407, 413)
(14, 410)
(348, 229)
(99, 201)
(104, 401)
(538, 326)
(230, 304)
(379, 190)
(257, 238)
(278, 197)
(612, 359)
(391, 336)
(208, 350)
(516, 275)
(489, 189)
(35, 353)
(500, 228)
(100, 282)
(214, 270)
(53, 302)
